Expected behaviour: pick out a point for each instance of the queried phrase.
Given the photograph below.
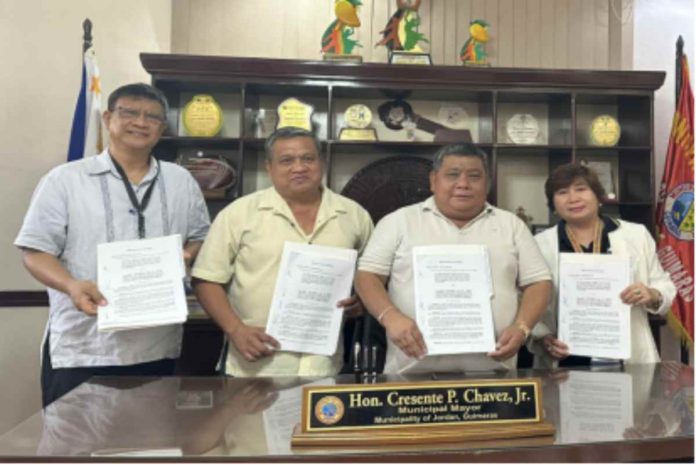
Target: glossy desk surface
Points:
(642, 412)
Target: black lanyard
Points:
(139, 207)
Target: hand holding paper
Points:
(304, 316)
(142, 281)
(253, 343)
(592, 320)
(453, 289)
(86, 296)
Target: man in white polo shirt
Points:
(124, 193)
(457, 213)
(235, 273)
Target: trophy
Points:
(398, 115)
(357, 118)
(473, 52)
(524, 216)
(292, 112)
(263, 122)
(401, 35)
(336, 43)
(202, 116)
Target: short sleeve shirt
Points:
(243, 252)
(514, 258)
(81, 204)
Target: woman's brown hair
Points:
(565, 175)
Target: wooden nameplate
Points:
(410, 413)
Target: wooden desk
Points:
(640, 413)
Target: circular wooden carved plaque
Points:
(387, 185)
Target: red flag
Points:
(675, 211)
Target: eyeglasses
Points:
(129, 114)
(305, 160)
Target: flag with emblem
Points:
(86, 133)
(675, 211)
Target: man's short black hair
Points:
(288, 132)
(138, 90)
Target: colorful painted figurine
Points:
(401, 32)
(336, 39)
(473, 51)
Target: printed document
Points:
(592, 320)
(142, 281)
(303, 316)
(453, 289)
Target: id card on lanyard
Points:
(138, 206)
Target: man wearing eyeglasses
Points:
(124, 193)
(235, 273)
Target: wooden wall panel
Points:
(437, 33)
(504, 34)
(451, 50)
(523, 33)
(463, 14)
(560, 34)
(491, 16)
(533, 35)
(601, 38)
(519, 26)
(546, 32)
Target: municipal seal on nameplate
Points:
(329, 410)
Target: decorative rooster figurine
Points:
(473, 51)
(401, 32)
(336, 39)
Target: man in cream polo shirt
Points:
(457, 213)
(236, 269)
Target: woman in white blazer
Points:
(574, 192)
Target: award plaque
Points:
(294, 113)
(605, 131)
(522, 128)
(202, 116)
(358, 118)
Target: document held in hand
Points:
(453, 290)
(142, 281)
(592, 320)
(303, 316)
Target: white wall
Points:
(41, 49)
(657, 25)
